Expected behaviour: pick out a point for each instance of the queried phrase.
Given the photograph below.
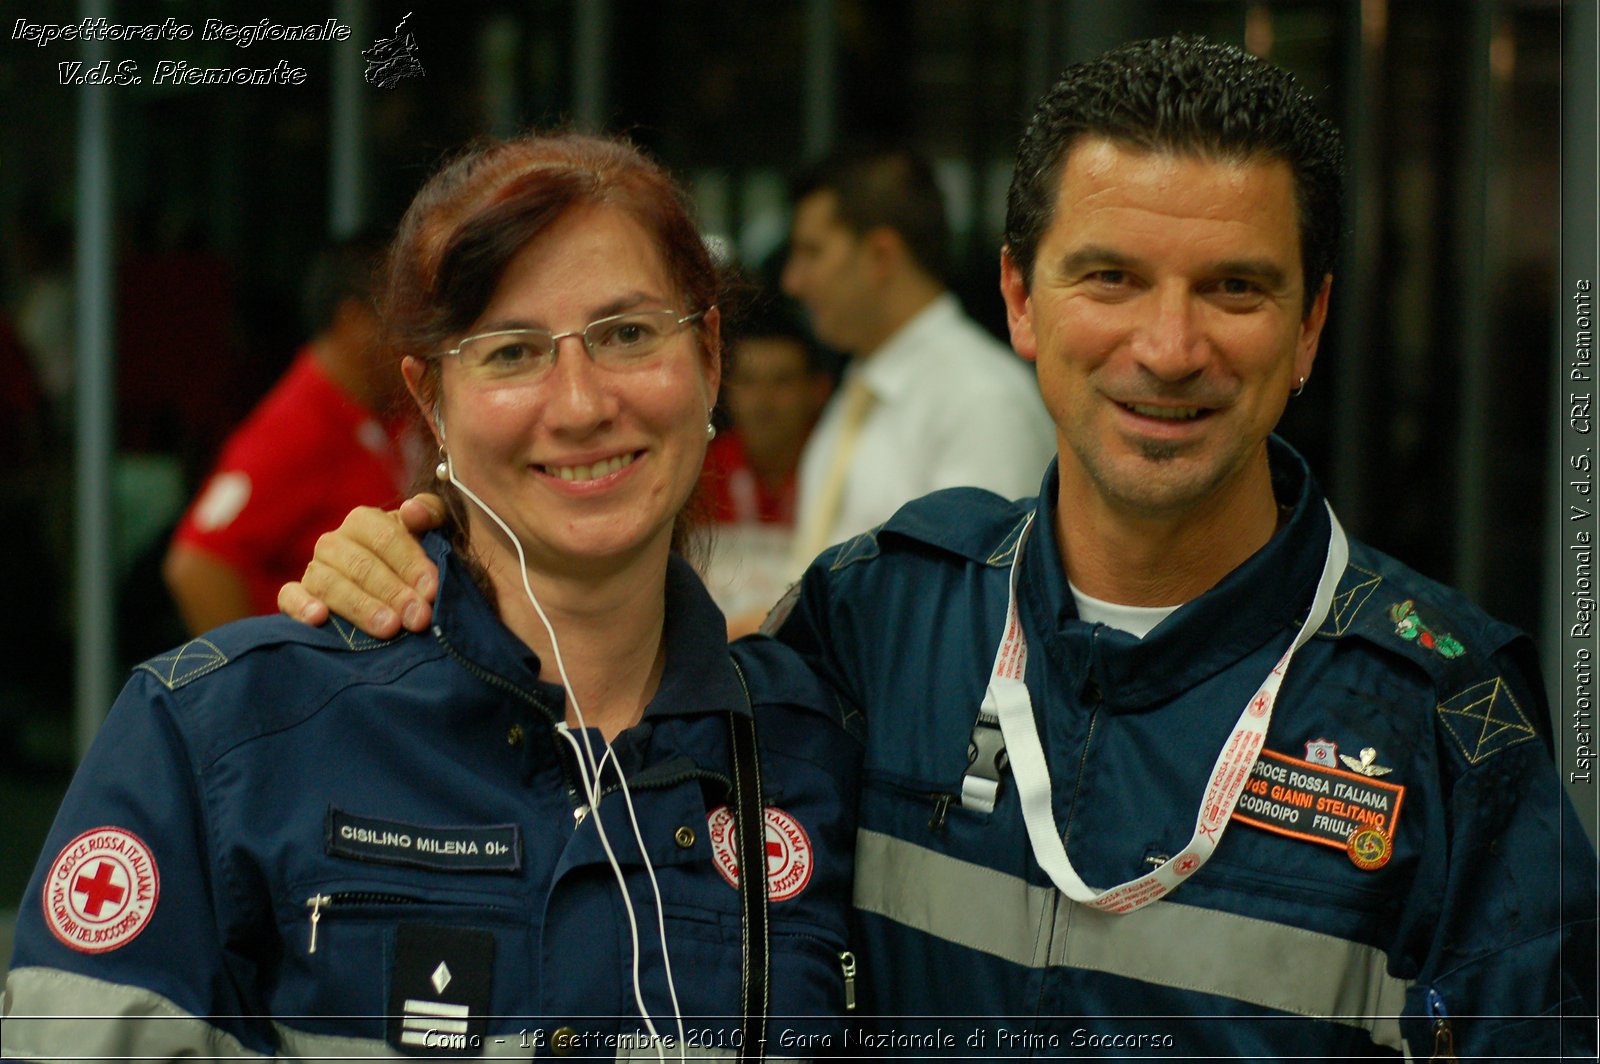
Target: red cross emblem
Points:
(788, 851)
(1187, 863)
(101, 890)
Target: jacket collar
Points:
(1263, 599)
(698, 677)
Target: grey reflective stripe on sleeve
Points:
(51, 1014)
(54, 1015)
(1313, 974)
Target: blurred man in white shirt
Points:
(930, 399)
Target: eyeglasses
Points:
(620, 342)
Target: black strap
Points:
(750, 825)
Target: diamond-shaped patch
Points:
(1485, 719)
(441, 977)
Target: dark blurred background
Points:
(173, 223)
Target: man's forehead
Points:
(1101, 178)
(1107, 158)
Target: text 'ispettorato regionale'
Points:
(177, 72)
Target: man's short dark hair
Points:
(893, 188)
(1186, 96)
(767, 315)
(347, 269)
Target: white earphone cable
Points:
(592, 791)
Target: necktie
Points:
(816, 525)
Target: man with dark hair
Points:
(930, 400)
(322, 440)
(1209, 653)
(892, 188)
(1160, 761)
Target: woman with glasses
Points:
(519, 833)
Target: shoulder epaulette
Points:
(183, 665)
(976, 524)
(204, 655)
(1449, 639)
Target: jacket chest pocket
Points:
(1302, 885)
(811, 972)
(357, 953)
(929, 815)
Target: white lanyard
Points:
(1007, 698)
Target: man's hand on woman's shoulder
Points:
(371, 569)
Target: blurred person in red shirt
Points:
(326, 438)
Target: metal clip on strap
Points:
(986, 767)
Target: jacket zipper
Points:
(492, 679)
(672, 781)
(1083, 765)
(579, 810)
(1444, 1038)
(581, 813)
(846, 960)
(318, 902)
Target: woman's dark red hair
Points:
(483, 207)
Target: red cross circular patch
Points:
(789, 854)
(101, 890)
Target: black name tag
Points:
(485, 848)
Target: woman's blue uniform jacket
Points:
(410, 804)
